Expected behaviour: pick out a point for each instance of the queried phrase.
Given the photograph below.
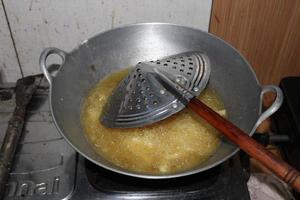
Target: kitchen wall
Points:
(9, 66)
(29, 26)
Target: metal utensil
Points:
(173, 85)
(24, 89)
(156, 90)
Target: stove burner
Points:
(226, 181)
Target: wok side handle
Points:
(273, 108)
(43, 58)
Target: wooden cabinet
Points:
(267, 33)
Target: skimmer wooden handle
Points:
(283, 170)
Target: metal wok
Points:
(231, 76)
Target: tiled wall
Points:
(37, 24)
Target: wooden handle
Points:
(246, 143)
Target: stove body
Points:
(46, 167)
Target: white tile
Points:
(37, 24)
(9, 68)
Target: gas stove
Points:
(46, 167)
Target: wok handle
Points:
(273, 108)
(246, 143)
(43, 58)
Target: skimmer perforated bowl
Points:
(157, 89)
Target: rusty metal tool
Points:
(24, 90)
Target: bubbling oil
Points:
(178, 143)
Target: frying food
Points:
(178, 143)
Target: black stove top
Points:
(226, 181)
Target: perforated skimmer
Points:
(156, 90)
